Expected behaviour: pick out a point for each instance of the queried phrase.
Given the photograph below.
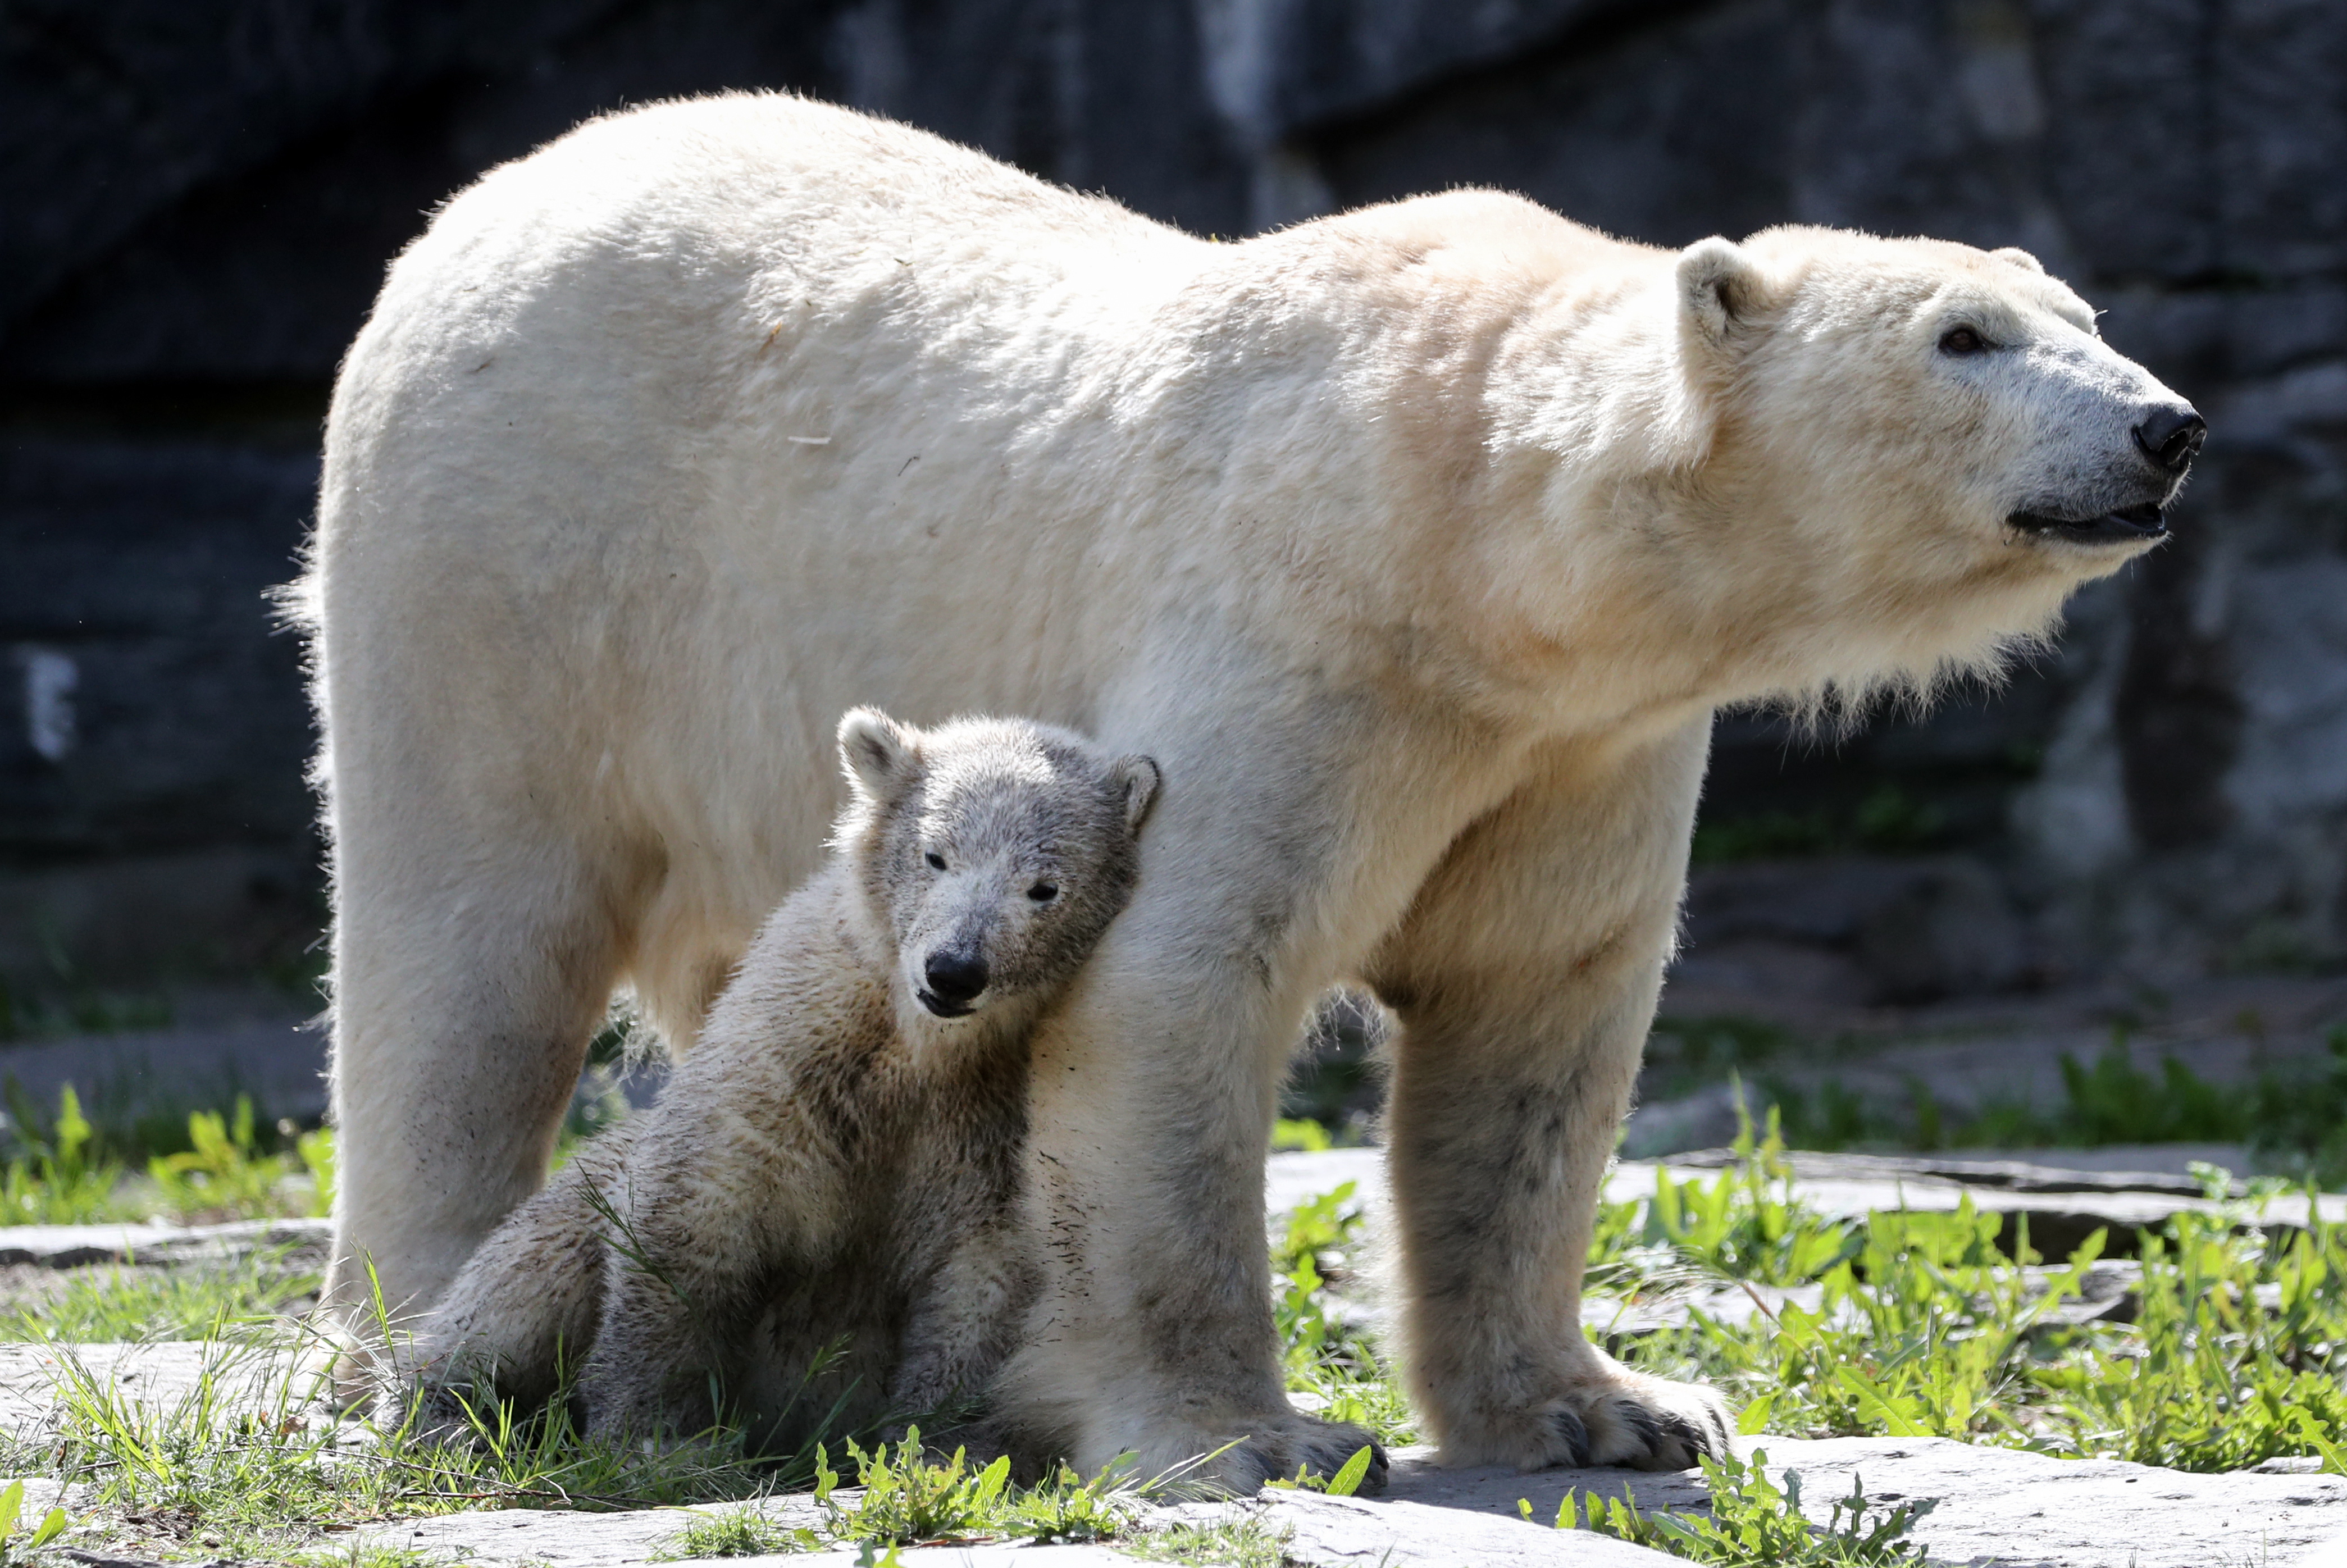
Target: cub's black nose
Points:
(2171, 435)
(955, 978)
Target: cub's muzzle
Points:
(951, 982)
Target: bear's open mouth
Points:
(2129, 524)
(942, 1008)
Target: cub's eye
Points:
(1042, 892)
(937, 862)
(1962, 340)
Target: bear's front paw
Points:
(1622, 1418)
(1277, 1449)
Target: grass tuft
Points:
(1754, 1523)
(744, 1532)
(1234, 1543)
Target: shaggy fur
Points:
(1420, 543)
(839, 1161)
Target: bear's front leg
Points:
(1291, 835)
(1154, 1087)
(1525, 980)
(1152, 1341)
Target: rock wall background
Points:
(201, 194)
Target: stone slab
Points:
(1296, 1178)
(2051, 1171)
(1318, 1532)
(562, 1536)
(2062, 1207)
(1999, 1507)
(159, 1375)
(78, 1246)
(1391, 1532)
(2138, 1164)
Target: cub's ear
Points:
(2019, 258)
(1138, 778)
(1720, 287)
(879, 753)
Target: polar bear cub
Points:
(837, 1162)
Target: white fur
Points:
(1418, 543)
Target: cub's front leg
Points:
(520, 1313)
(964, 1322)
(697, 1233)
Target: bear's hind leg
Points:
(1526, 981)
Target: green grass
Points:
(237, 1299)
(62, 1169)
(909, 1495)
(1234, 1543)
(744, 1532)
(22, 1535)
(1753, 1522)
(1929, 1326)
(1937, 1325)
(1339, 1370)
(248, 1459)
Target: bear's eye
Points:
(1042, 892)
(1962, 340)
(937, 862)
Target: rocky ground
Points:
(1993, 1506)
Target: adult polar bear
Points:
(1418, 544)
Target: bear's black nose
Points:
(2171, 435)
(955, 978)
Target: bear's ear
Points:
(1720, 287)
(2019, 258)
(879, 753)
(1137, 778)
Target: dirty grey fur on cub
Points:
(838, 1158)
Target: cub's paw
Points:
(451, 1417)
(1277, 1449)
(436, 1403)
(1622, 1419)
(347, 1371)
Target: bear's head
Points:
(991, 855)
(1887, 459)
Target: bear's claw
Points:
(1278, 1452)
(1574, 1433)
(1616, 1418)
(1675, 1439)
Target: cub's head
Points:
(992, 854)
(1951, 443)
